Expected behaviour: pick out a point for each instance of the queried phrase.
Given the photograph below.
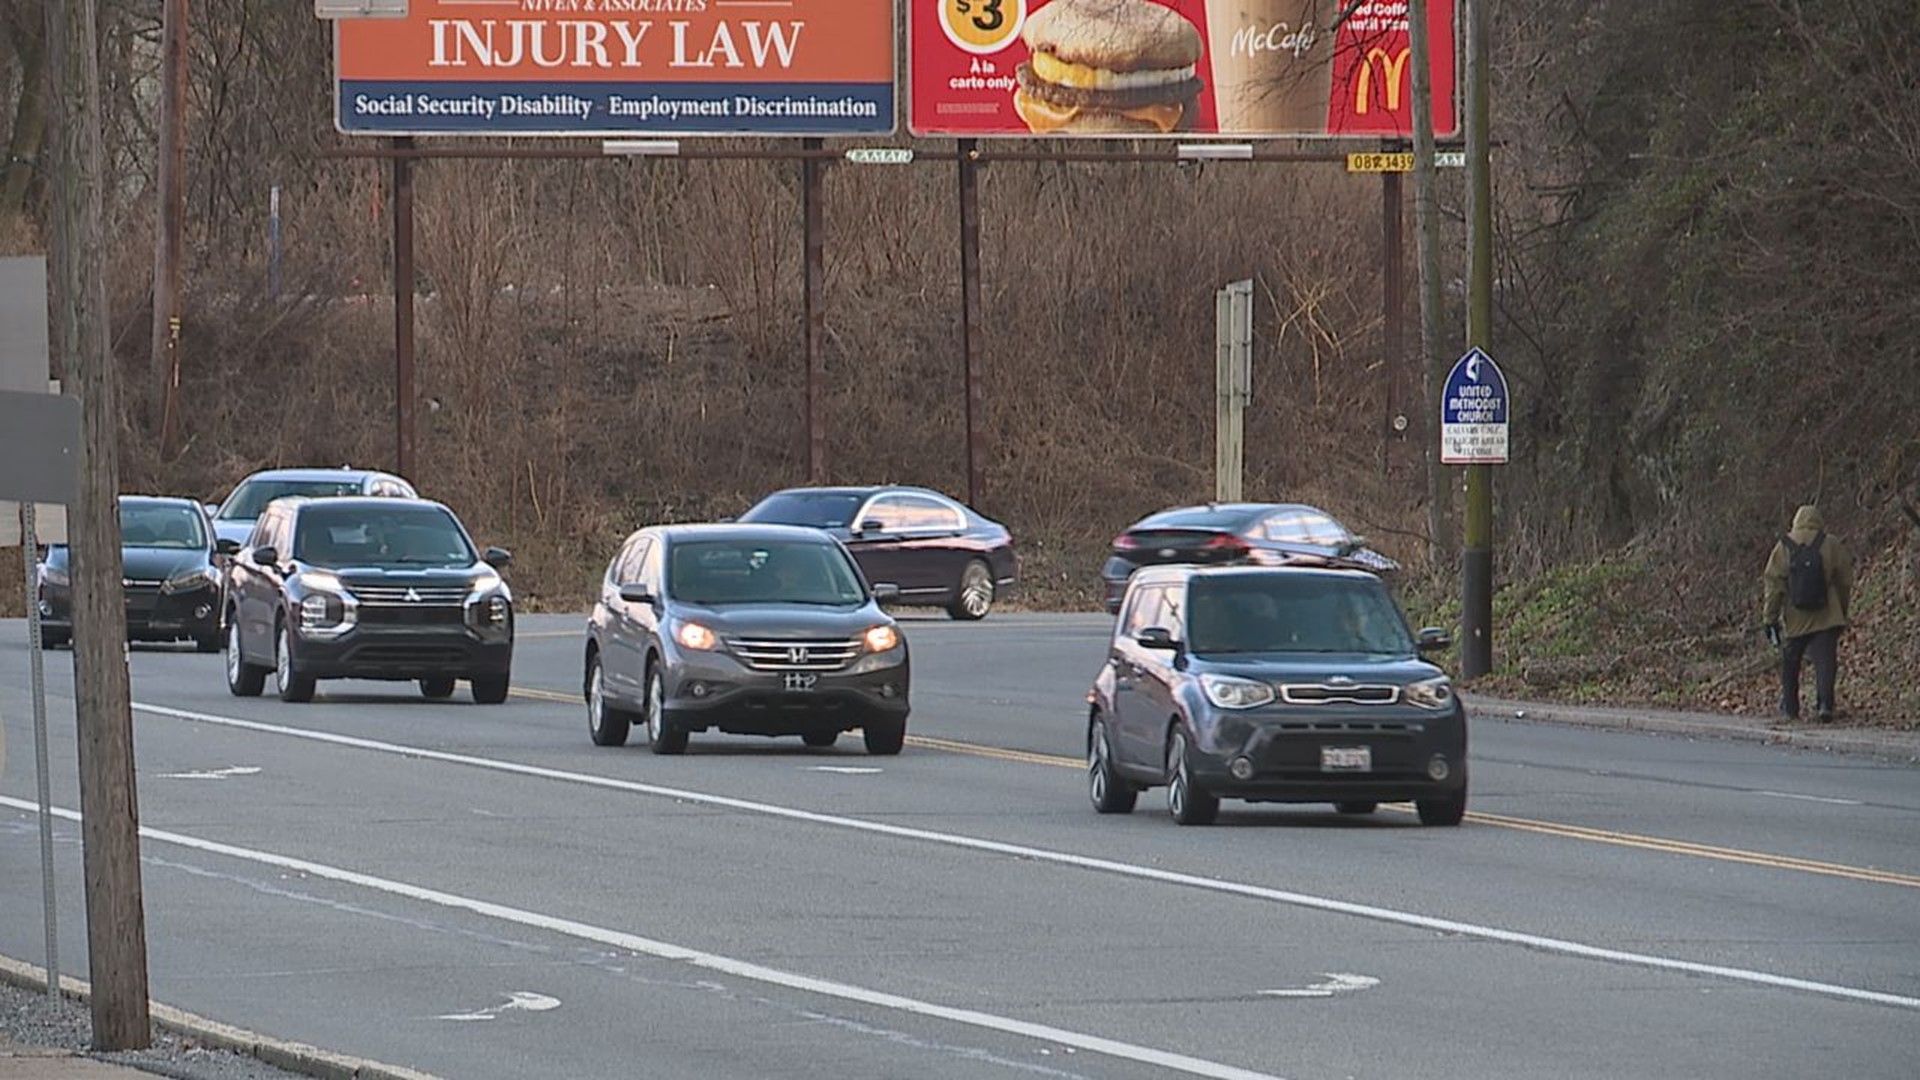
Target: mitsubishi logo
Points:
(413, 596)
(798, 655)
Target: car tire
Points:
(1110, 793)
(436, 689)
(1185, 801)
(54, 639)
(295, 688)
(820, 740)
(207, 644)
(490, 689)
(1356, 807)
(884, 738)
(243, 679)
(663, 735)
(606, 725)
(973, 596)
(1446, 811)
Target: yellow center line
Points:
(1546, 828)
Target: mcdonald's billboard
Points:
(619, 67)
(1173, 68)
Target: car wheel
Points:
(294, 687)
(1186, 802)
(1449, 810)
(1110, 793)
(884, 738)
(820, 740)
(436, 689)
(1356, 807)
(663, 735)
(243, 679)
(207, 644)
(606, 725)
(490, 689)
(974, 596)
(54, 639)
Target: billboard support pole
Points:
(815, 259)
(976, 397)
(403, 308)
(1476, 608)
(1393, 304)
(1426, 223)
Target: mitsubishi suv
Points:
(1273, 684)
(367, 588)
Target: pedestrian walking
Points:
(1809, 591)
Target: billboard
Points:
(615, 68)
(1172, 68)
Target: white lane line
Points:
(1536, 942)
(524, 1000)
(1336, 983)
(213, 774)
(1812, 798)
(662, 950)
(847, 770)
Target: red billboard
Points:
(1172, 68)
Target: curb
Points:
(280, 1053)
(1895, 746)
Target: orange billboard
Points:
(619, 68)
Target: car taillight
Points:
(1226, 543)
(1125, 542)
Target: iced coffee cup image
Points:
(1272, 64)
(1108, 67)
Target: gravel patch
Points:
(30, 1019)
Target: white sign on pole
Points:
(1473, 412)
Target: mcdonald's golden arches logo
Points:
(1393, 69)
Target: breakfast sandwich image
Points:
(1107, 67)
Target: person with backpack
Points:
(1809, 591)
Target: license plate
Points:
(800, 681)
(1346, 759)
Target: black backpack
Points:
(1806, 573)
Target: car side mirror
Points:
(1156, 637)
(226, 547)
(635, 593)
(871, 525)
(725, 520)
(886, 591)
(498, 558)
(1433, 639)
(266, 557)
(213, 509)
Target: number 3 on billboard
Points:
(981, 26)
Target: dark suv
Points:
(1273, 684)
(367, 588)
(751, 629)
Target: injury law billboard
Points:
(1179, 68)
(615, 68)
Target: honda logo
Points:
(798, 655)
(413, 596)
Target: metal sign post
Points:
(1233, 386)
(43, 772)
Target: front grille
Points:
(1390, 728)
(399, 653)
(812, 654)
(411, 615)
(1323, 694)
(142, 596)
(409, 595)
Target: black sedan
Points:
(1226, 534)
(748, 629)
(939, 552)
(172, 585)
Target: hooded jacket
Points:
(1839, 567)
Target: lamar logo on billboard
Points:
(1393, 69)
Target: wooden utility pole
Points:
(1476, 607)
(974, 394)
(813, 248)
(116, 920)
(170, 220)
(403, 396)
(1434, 362)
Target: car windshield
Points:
(817, 509)
(762, 572)
(1294, 613)
(353, 535)
(251, 497)
(161, 526)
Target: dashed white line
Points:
(1812, 798)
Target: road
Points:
(481, 893)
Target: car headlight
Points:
(694, 636)
(881, 638)
(1433, 694)
(320, 581)
(197, 578)
(53, 575)
(1232, 692)
(324, 613)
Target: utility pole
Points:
(171, 215)
(812, 244)
(975, 393)
(403, 396)
(116, 921)
(1476, 608)
(1426, 223)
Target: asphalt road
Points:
(481, 893)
